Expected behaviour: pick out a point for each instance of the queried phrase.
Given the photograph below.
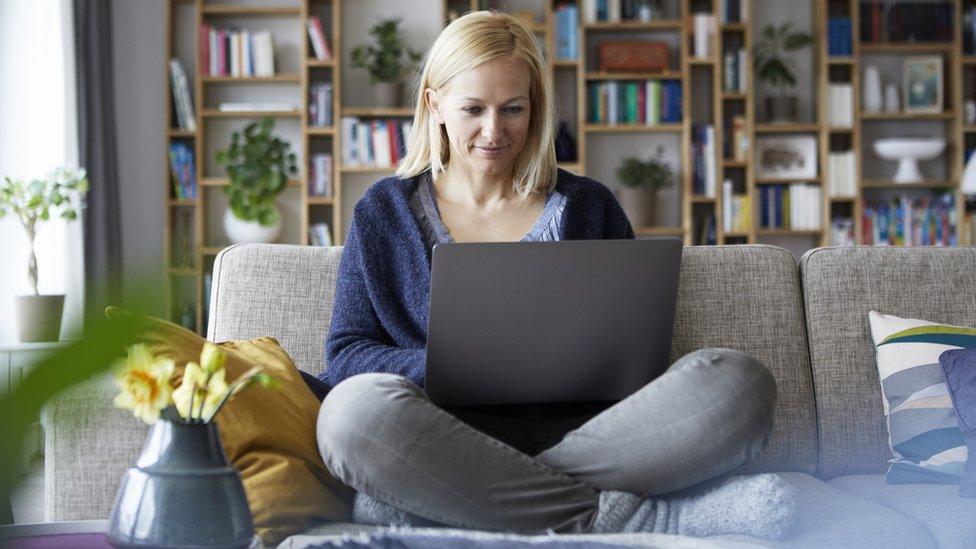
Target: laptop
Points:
(548, 322)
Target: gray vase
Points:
(181, 493)
(781, 109)
(387, 94)
(39, 317)
(638, 204)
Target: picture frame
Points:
(786, 157)
(922, 85)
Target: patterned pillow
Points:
(923, 431)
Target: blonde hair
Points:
(466, 43)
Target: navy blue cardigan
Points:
(379, 321)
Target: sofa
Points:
(807, 321)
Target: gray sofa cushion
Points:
(950, 519)
(279, 290)
(830, 517)
(748, 298)
(840, 286)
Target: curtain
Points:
(98, 153)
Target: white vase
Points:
(892, 99)
(872, 100)
(249, 232)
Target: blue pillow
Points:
(959, 366)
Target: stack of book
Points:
(182, 172)
(736, 146)
(839, 36)
(703, 172)
(238, 53)
(374, 143)
(736, 213)
(706, 232)
(567, 37)
(703, 27)
(842, 232)
(796, 206)
(320, 104)
(735, 77)
(319, 234)
(181, 96)
(615, 11)
(841, 175)
(320, 175)
(911, 221)
(733, 11)
(891, 21)
(320, 46)
(969, 30)
(840, 105)
(646, 102)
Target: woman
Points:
(481, 167)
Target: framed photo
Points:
(786, 157)
(922, 86)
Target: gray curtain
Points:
(97, 153)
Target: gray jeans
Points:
(709, 413)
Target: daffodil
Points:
(144, 381)
(200, 392)
(212, 358)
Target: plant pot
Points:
(182, 492)
(249, 232)
(387, 94)
(638, 203)
(781, 109)
(39, 317)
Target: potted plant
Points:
(774, 67)
(258, 164)
(640, 182)
(387, 62)
(39, 316)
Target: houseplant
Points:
(39, 316)
(387, 62)
(774, 67)
(159, 503)
(640, 182)
(258, 164)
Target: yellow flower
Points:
(144, 381)
(205, 390)
(212, 358)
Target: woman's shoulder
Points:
(581, 187)
(389, 193)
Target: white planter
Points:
(249, 232)
(39, 317)
(872, 100)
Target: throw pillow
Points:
(269, 435)
(959, 367)
(923, 431)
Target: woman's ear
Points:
(433, 104)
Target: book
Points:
(263, 54)
(182, 101)
(316, 35)
(319, 234)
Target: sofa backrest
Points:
(743, 297)
(748, 298)
(840, 286)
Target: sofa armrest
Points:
(88, 446)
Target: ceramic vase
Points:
(872, 100)
(892, 99)
(39, 317)
(182, 492)
(387, 94)
(638, 204)
(249, 232)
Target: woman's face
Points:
(486, 113)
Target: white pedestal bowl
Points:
(908, 151)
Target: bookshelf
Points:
(193, 235)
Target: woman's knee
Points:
(735, 370)
(353, 412)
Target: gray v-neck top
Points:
(424, 206)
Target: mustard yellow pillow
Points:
(269, 435)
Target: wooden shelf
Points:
(786, 180)
(182, 271)
(182, 203)
(214, 113)
(250, 11)
(278, 78)
(840, 60)
(886, 184)
(787, 128)
(736, 234)
(223, 182)
(660, 231)
(211, 250)
(702, 199)
(969, 128)
(735, 27)
(666, 75)
(906, 47)
(663, 24)
(787, 232)
(566, 63)
(705, 61)
(569, 166)
(320, 130)
(839, 129)
(842, 198)
(734, 95)
(366, 112)
(969, 60)
(624, 128)
(181, 133)
(735, 164)
(320, 200)
(946, 115)
(319, 63)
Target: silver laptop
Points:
(541, 322)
